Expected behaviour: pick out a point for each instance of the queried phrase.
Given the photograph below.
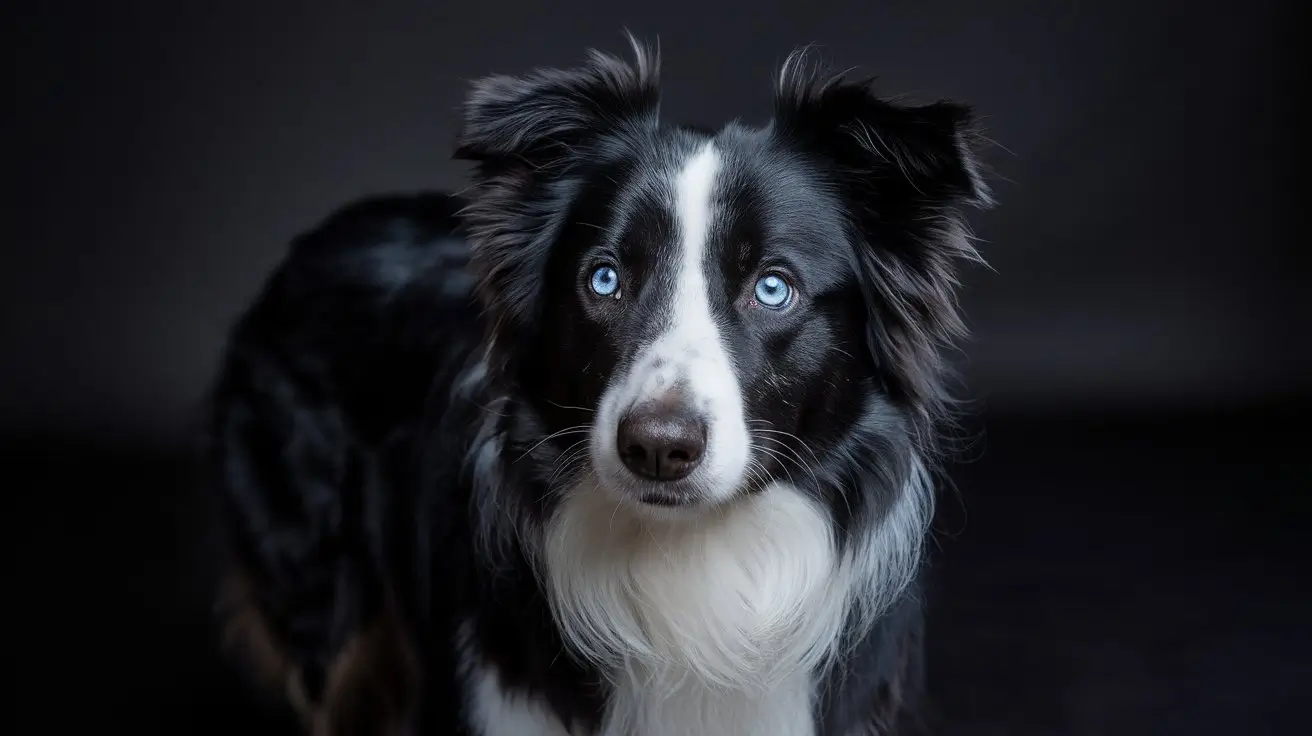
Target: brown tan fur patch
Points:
(369, 686)
(247, 634)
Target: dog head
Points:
(689, 316)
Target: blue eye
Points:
(772, 292)
(605, 281)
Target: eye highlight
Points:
(605, 281)
(773, 291)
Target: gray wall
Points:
(164, 153)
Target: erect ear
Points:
(540, 119)
(905, 172)
(925, 151)
(526, 134)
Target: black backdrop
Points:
(1123, 561)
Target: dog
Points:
(636, 436)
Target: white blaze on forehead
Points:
(694, 211)
(691, 351)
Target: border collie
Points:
(634, 438)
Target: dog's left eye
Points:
(605, 281)
(773, 291)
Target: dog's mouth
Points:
(660, 498)
(667, 499)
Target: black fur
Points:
(380, 416)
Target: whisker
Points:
(792, 436)
(566, 465)
(758, 472)
(571, 473)
(568, 459)
(795, 456)
(574, 408)
(841, 491)
(783, 460)
(568, 430)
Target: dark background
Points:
(1126, 554)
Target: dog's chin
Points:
(669, 501)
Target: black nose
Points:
(661, 440)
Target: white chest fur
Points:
(692, 710)
(707, 627)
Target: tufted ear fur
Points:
(526, 134)
(906, 173)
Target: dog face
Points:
(699, 314)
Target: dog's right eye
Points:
(605, 281)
